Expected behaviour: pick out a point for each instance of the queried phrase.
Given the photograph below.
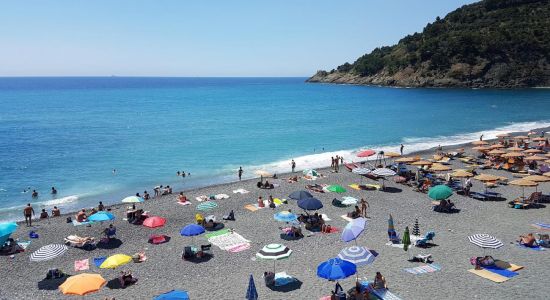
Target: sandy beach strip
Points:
(225, 276)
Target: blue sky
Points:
(201, 38)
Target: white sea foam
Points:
(412, 144)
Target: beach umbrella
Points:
(310, 172)
(361, 171)
(132, 199)
(486, 177)
(439, 167)
(207, 205)
(515, 149)
(407, 160)
(537, 178)
(547, 174)
(391, 229)
(82, 284)
(115, 261)
(158, 239)
(192, 230)
(422, 163)
(539, 139)
(535, 158)
(532, 151)
(481, 148)
(101, 216)
(360, 256)
(299, 195)
(497, 146)
(274, 252)
(521, 137)
(347, 200)
(477, 143)
(392, 154)
(336, 188)
(406, 241)
(461, 174)
(251, 293)
(502, 135)
(153, 222)
(48, 252)
(173, 295)
(286, 216)
(440, 192)
(6, 229)
(496, 152)
(353, 229)
(485, 241)
(523, 183)
(336, 268)
(383, 172)
(366, 153)
(513, 154)
(310, 204)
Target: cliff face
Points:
(492, 43)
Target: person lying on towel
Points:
(527, 240)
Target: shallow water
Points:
(72, 132)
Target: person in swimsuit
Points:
(56, 212)
(28, 212)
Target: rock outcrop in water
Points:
(489, 44)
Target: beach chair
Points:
(187, 253)
(269, 278)
(543, 240)
(423, 242)
(526, 203)
(79, 242)
(206, 250)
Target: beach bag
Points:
(69, 220)
(33, 235)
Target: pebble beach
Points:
(226, 274)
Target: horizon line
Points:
(145, 76)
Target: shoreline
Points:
(323, 169)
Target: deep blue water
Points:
(72, 132)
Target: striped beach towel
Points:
(430, 268)
(541, 226)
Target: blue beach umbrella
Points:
(336, 268)
(354, 228)
(285, 216)
(6, 229)
(101, 216)
(251, 293)
(310, 204)
(173, 295)
(299, 195)
(192, 230)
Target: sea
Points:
(104, 138)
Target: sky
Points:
(201, 38)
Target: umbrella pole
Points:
(274, 266)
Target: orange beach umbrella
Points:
(82, 284)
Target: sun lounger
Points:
(79, 242)
(478, 196)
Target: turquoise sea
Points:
(72, 132)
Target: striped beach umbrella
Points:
(383, 172)
(48, 252)
(274, 252)
(251, 292)
(208, 205)
(361, 171)
(485, 241)
(360, 256)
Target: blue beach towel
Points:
(99, 260)
(501, 272)
(536, 248)
(76, 223)
(543, 225)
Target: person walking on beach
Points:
(293, 165)
(336, 161)
(28, 212)
(401, 149)
(341, 160)
(240, 173)
(332, 162)
(364, 206)
(481, 137)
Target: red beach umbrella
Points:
(158, 239)
(153, 222)
(366, 153)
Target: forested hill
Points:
(491, 43)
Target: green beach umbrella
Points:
(440, 192)
(310, 172)
(336, 188)
(406, 239)
(206, 206)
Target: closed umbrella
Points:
(206, 206)
(132, 199)
(440, 192)
(336, 268)
(392, 235)
(406, 239)
(82, 284)
(115, 261)
(286, 216)
(153, 222)
(101, 216)
(251, 292)
(299, 195)
(6, 229)
(48, 252)
(173, 295)
(336, 188)
(353, 229)
(274, 252)
(310, 204)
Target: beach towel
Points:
(251, 207)
(429, 268)
(202, 198)
(282, 278)
(355, 186)
(221, 196)
(501, 272)
(383, 294)
(541, 226)
(332, 230)
(81, 265)
(99, 260)
(489, 275)
(239, 248)
(216, 233)
(240, 191)
(23, 245)
(76, 223)
(345, 217)
(229, 241)
(184, 203)
(534, 248)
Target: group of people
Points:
(359, 292)
(336, 162)
(159, 190)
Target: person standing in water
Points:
(401, 149)
(28, 212)
(54, 191)
(293, 165)
(34, 194)
(481, 137)
(240, 173)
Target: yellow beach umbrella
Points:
(391, 154)
(82, 284)
(537, 178)
(487, 177)
(461, 174)
(513, 154)
(532, 151)
(478, 143)
(422, 163)
(439, 167)
(535, 158)
(115, 261)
